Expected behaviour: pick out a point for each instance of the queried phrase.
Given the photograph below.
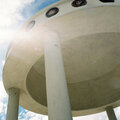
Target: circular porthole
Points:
(30, 25)
(78, 3)
(52, 12)
(106, 1)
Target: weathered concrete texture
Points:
(90, 42)
(94, 75)
(111, 113)
(13, 104)
(57, 93)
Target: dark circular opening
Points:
(52, 12)
(105, 1)
(30, 25)
(78, 3)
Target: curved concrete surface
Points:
(90, 41)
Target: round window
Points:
(78, 3)
(52, 12)
(30, 25)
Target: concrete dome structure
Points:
(89, 35)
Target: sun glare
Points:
(10, 17)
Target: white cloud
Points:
(3, 99)
(28, 115)
(117, 112)
(6, 34)
(98, 116)
(3, 62)
(3, 93)
(10, 12)
(10, 17)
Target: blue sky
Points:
(13, 15)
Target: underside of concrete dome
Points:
(90, 46)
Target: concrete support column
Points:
(13, 104)
(57, 92)
(111, 113)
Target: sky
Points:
(12, 15)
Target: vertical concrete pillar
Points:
(57, 92)
(111, 113)
(13, 104)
